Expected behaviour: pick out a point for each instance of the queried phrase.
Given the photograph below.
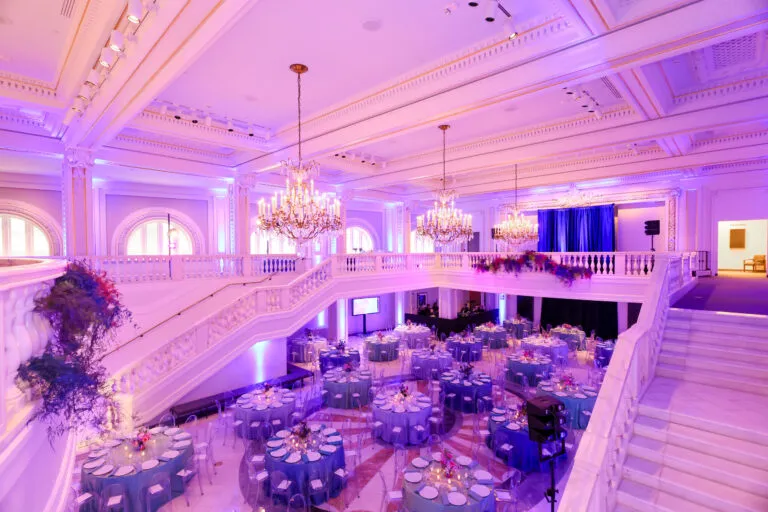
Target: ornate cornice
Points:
(759, 81)
(9, 84)
(257, 141)
(14, 117)
(725, 139)
(167, 146)
(78, 158)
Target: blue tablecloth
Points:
(573, 336)
(339, 382)
(334, 358)
(385, 409)
(415, 336)
(299, 472)
(496, 338)
(519, 329)
(525, 454)
(476, 387)
(553, 347)
(415, 502)
(465, 350)
(529, 368)
(573, 404)
(423, 362)
(382, 350)
(604, 353)
(135, 484)
(300, 350)
(264, 407)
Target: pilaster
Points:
(77, 202)
(242, 221)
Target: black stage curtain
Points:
(602, 317)
(456, 325)
(633, 314)
(525, 307)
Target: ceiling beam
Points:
(168, 41)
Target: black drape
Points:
(602, 317)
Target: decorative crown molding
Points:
(718, 91)
(258, 141)
(170, 147)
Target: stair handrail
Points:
(598, 465)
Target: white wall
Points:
(756, 242)
(264, 360)
(630, 229)
(384, 319)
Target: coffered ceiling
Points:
(588, 90)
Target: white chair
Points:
(186, 474)
(113, 499)
(387, 496)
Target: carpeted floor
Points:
(735, 292)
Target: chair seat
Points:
(419, 428)
(433, 419)
(255, 424)
(316, 485)
(184, 473)
(237, 423)
(341, 473)
(378, 424)
(506, 447)
(262, 476)
(355, 395)
(83, 498)
(155, 489)
(276, 422)
(113, 501)
(284, 485)
(338, 396)
(395, 495)
(257, 459)
(504, 496)
(397, 430)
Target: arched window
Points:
(421, 244)
(151, 237)
(264, 243)
(20, 236)
(359, 240)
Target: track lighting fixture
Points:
(117, 41)
(509, 30)
(94, 78)
(250, 131)
(473, 3)
(135, 11)
(208, 120)
(230, 126)
(490, 10)
(108, 58)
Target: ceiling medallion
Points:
(300, 213)
(516, 230)
(575, 198)
(444, 223)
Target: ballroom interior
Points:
(433, 255)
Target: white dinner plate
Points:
(95, 454)
(328, 431)
(172, 431)
(293, 458)
(513, 426)
(93, 464)
(457, 499)
(463, 460)
(246, 405)
(124, 470)
(156, 430)
(428, 492)
(483, 476)
(590, 393)
(111, 443)
(334, 439)
(386, 407)
(104, 470)
(498, 419)
(149, 464)
(579, 395)
(315, 427)
(413, 477)
(399, 409)
(313, 456)
(546, 388)
(283, 434)
(181, 444)
(182, 436)
(277, 443)
(328, 448)
(170, 454)
(279, 453)
(561, 393)
(420, 463)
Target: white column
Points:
(242, 216)
(341, 240)
(623, 314)
(220, 204)
(511, 306)
(399, 308)
(342, 327)
(407, 210)
(502, 301)
(77, 202)
(537, 311)
(672, 216)
(447, 303)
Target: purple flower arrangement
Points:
(404, 391)
(466, 369)
(348, 367)
(301, 430)
(532, 261)
(449, 464)
(83, 308)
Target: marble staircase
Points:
(700, 440)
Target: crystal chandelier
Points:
(300, 213)
(444, 223)
(516, 230)
(576, 198)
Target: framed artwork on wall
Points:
(421, 299)
(738, 238)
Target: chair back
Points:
(297, 502)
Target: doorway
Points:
(742, 247)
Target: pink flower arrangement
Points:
(142, 438)
(301, 430)
(532, 261)
(408, 323)
(380, 335)
(448, 463)
(528, 354)
(567, 326)
(404, 391)
(348, 367)
(568, 380)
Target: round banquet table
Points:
(575, 401)
(325, 442)
(395, 411)
(494, 337)
(604, 352)
(553, 347)
(334, 358)
(518, 328)
(414, 335)
(172, 450)
(472, 475)
(344, 383)
(525, 453)
(301, 349)
(477, 386)
(529, 367)
(382, 349)
(424, 361)
(465, 350)
(571, 335)
(264, 406)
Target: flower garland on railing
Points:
(84, 310)
(532, 261)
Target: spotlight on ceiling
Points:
(473, 4)
(230, 126)
(250, 131)
(94, 78)
(509, 30)
(135, 11)
(208, 120)
(108, 58)
(117, 41)
(490, 11)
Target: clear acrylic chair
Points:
(506, 493)
(190, 471)
(257, 476)
(113, 499)
(318, 485)
(387, 496)
(158, 492)
(167, 419)
(281, 487)
(297, 503)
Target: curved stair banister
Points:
(599, 461)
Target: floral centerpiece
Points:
(528, 354)
(567, 326)
(568, 381)
(348, 367)
(380, 335)
(301, 430)
(404, 391)
(466, 369)
(408, 323)
(267, 387)
(341, 346)
(141, 439)
(522, 412)
(490, 325)
(84, 311)
(433, 347)
(448, 464)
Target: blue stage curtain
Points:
(586, 229)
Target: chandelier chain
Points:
(298, 101)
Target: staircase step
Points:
(705, 337)
(700, 316)
(711, 378)
(750, 453)
(702, 465)
(707, 493)
(716, 351)
(726, 368)
(643, 498)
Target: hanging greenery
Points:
(84, 309)
(532, 261)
